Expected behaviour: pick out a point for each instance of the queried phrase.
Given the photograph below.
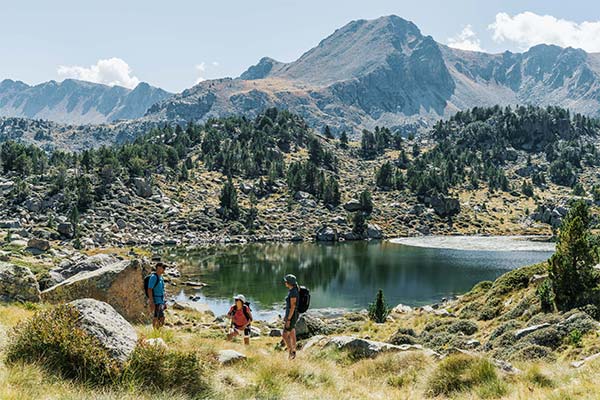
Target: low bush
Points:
(156, 368)
(528, 352)
(515, 279)
(547, 337)
(464, 326)
(461, 372)
(54, 340)
(535, 376)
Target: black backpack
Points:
(147, 283)
(304, 299)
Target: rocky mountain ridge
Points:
(386, 72)
(76, 102)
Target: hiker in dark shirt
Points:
(291, 314)
(241, 318)
(156, 296)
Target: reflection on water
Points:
(345, 275)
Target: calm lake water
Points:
(343, 275)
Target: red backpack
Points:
(245, 308)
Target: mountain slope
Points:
(76, 102)
(386, 72)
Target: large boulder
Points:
(69, 269)
(308, 326)
(327, 234)
(374, 232)
(66, 229)
(444, 206)
(18, 283)
(103, 322)
(142, 187)
(120, 284)
(38, 244)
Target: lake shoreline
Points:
(479, 243)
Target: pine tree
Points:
(366, 202)
(184, 175)
(384, 178)
(344, 140)
(252, 214)
(571, 266)
(379, 310)
(359, 224)
(527, 189)
(327, 132)
(228, 200)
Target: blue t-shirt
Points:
(158, 288)
(293, 292)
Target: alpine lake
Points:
(340, 276)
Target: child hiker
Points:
(241, 318)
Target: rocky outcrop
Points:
(443, 206)
(18, 283)
(362, 348)
(120, 284)
(100, 320)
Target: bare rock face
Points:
(101, 321)
(18, 283)
(362, 348)
(119, 284)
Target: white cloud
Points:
(111, 71)
(201, 70)
(465, 40)
(528, 29)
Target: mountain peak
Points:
(356, 49)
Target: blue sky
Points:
(173, 44)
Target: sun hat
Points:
(291, 279)
(240, 297)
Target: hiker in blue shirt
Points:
(156, 296)
(291, 314)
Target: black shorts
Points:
(159, 311)
(292, 323)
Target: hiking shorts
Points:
(159, 311)
(238, 331)
(292, 323)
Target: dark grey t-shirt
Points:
(288, 300)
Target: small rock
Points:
(158, 342)
(230, 356)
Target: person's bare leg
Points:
(286, 339)
(246, 340)
(293, 339)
